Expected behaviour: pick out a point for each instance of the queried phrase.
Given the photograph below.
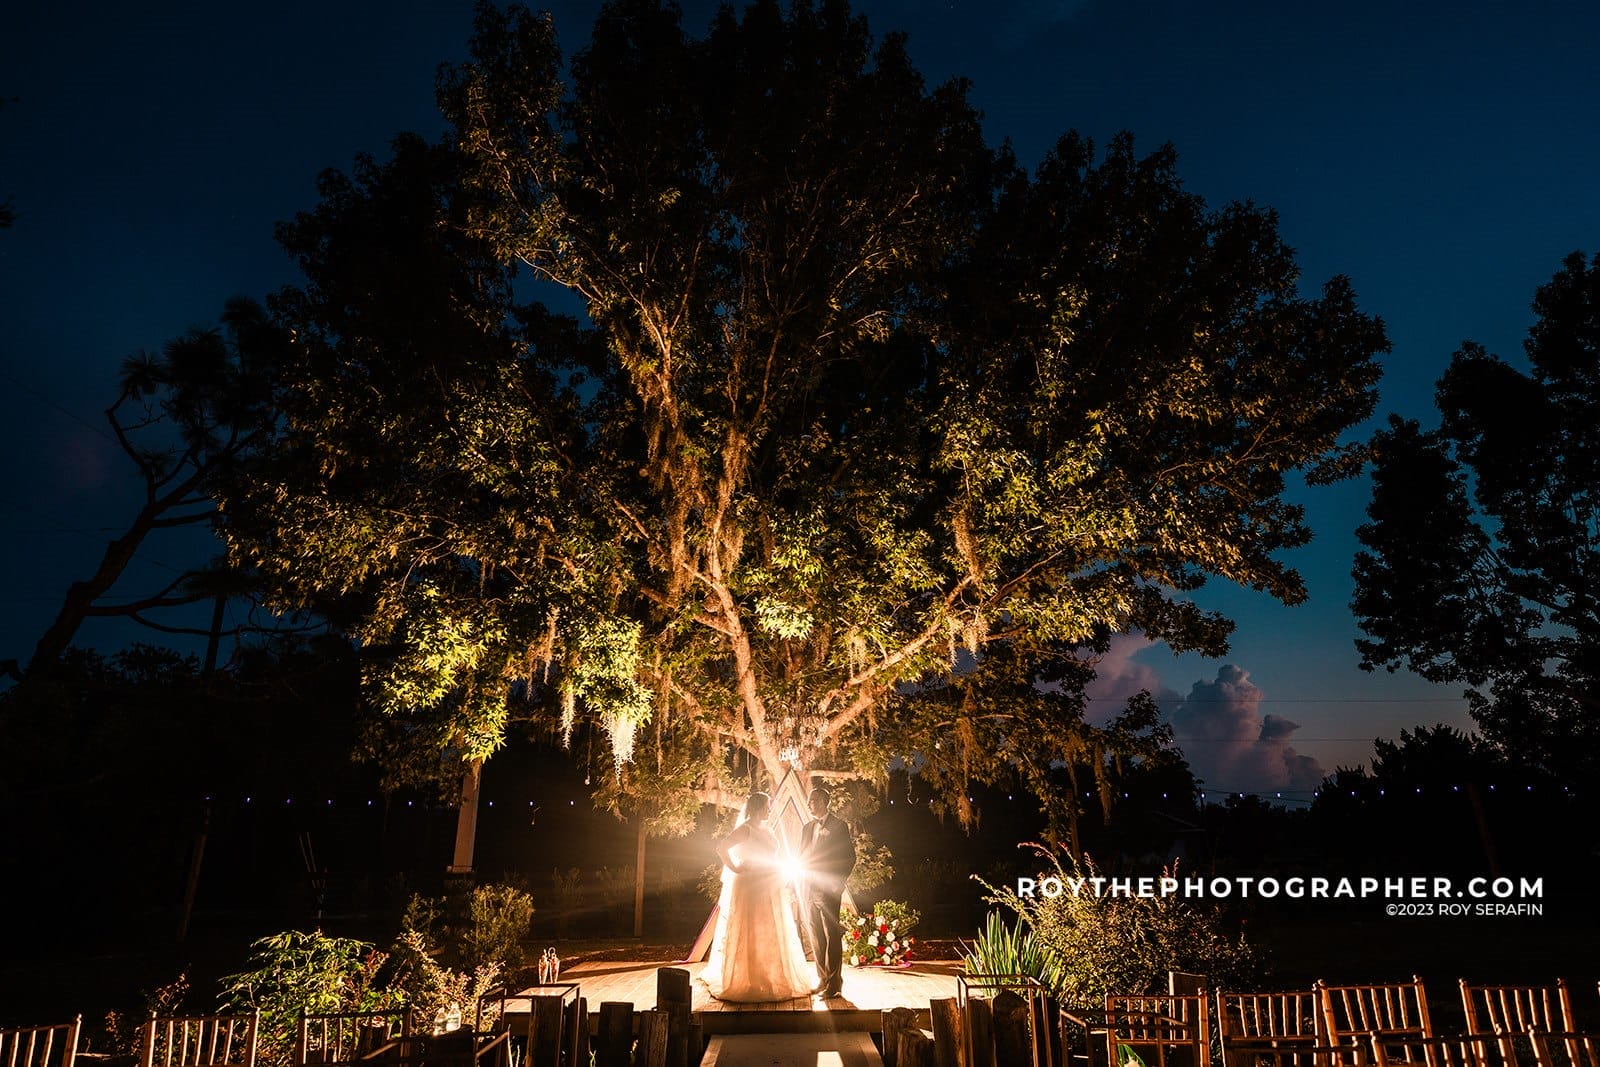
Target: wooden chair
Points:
(1509, 1011)
(457, 1048)
(1567, 1048)
(200, 1041)
(1458, 1051)
(1278, 1030)
(40, 1046)
(347, 1037)
(1391, 1012)
(1161, 1030)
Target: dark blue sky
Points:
(1445, 157)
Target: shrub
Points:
(306, 972)
(498, 920)
(436, 993)
(1126, 944)
(487, 926)
(122, 1031)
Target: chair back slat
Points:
(1398, 1008)
(1279, 1029)
(40, 1046)
(200, 1041)
(1456, 1051)
(1291, 1014)
(347, 1037)
(1567, 1048)
(1162, 1029)
(1509, 1012)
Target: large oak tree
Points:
(864, 431)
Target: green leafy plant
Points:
(1127, 1057)
(439, 994)
(1010, 950)
(498, 920)
(121, 1030)
(485, 926)
(1108, 943)
(567, 889)
(874, 865)
(297, 972)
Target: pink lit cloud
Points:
(1119, 676)
(1231, 746)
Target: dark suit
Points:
(829, 854)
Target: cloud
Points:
(79, 460)
(1119, 676)
(1232, 747)
(1021, 23)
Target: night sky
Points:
(1445, 157)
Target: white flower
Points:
(872, 939)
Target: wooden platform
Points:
(868, 993)
(808, 1050)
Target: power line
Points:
(68, 412)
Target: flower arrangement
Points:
(880, 937)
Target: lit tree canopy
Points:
(1484, 541)
(865, 428)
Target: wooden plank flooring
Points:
(792, 1050)
(868, 992)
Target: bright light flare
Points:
(793, 870)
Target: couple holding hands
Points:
(756, 955)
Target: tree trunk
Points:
(467, 819)
(82, 595)
(638, 885)
(214, 639)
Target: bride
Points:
(756, 955)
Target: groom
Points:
(829, 854)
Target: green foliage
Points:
(486, 926)
(297, 972)
(1011, 950)
(438, 994)
(710, 881)
(1107, 943)
(567, 893)
(1127, 1056)
(122, 1031)
(498, 920)
(874, 865)
(865, 430)
(1478, 559)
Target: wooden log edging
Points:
(949, 1040)
(913, 1048)
(894, 1022)
(675, 997)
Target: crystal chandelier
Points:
(799, 736)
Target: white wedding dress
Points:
(756, 954)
